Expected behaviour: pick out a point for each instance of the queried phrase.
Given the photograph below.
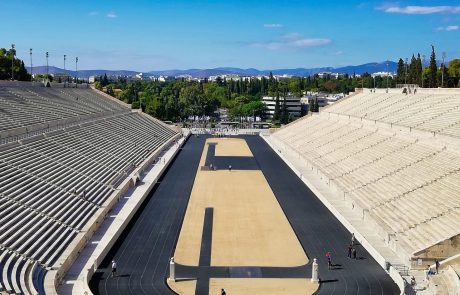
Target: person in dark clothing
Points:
(354, 253)
(222, 292)
(350, 248)
(437, 266)
(329, 260)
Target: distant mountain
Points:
(360, 69)
(202, 73)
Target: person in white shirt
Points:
(114, 268)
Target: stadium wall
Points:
(392, 271)
(439, 251)
(54, 277)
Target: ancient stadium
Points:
(86, 181)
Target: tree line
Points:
(9, 62)
(431, 76)
(178, 99)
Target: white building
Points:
(292, 102)
(330, 74)
(383, 74)
(185, 77)
(324, 99)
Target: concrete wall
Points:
(439, 251)
(67, 258)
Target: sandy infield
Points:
(249, 227)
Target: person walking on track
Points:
(114, 268)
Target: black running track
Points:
(143, 251)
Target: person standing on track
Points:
(354, 253)
(437, 266)
(114, 268)
(352, 239)
(329, 260)
(350, 248)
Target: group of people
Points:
(409, 90)
(351, 252)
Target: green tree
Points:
(433, 70)
(413, 72)
(454, 72)
(418, 70)
(105, 81)
(276, 114)
(284, 113)
(110, 91)
(400, 71)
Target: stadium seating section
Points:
(52, 184)
(407, 182)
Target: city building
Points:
(293, 105)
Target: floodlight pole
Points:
(12, 62)
(30, 53)
(76, 72)
(373, 76)
(47, 67)
(442, 69)
(388, 73)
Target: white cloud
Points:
(112, 14)
(340, 52)
(273, 26)
(391, 8)
(291, 41)
(92, 13)
(447, 29)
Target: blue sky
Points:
(149, 35)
